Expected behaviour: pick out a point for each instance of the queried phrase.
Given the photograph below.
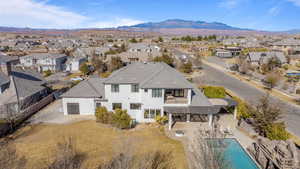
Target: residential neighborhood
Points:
(154, 93)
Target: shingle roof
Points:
(149, 75)
(3, 79)
(28, 82)
(257, 56)
(44, 55)
(5, 58)
(23, 84)
(91, 88)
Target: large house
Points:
(145, 90)
(44, 61)
(259, 58)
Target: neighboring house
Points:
(44, 61)
(287, 45)
(138, 52)
(145, 90)
(228, 52)
(73, 64)
(5, 67)
(25, 88)
(223, 53)
(259, 58)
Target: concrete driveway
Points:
(53, 114)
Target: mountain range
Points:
(182, 24)
(171, 26)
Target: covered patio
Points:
(199, 113)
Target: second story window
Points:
(156, 93)
(114, 88)
(134, 88)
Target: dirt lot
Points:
(98, 142)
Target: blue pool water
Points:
(235, 155)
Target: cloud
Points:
(115, 22)
(30, 13)
(229, 4)
(274, 10)
(295, 2)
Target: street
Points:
(212, 76)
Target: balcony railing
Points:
(175, 100)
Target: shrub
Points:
(84, 68)
(103, 116)
(186, 67)
(47, 73)
(105, 74)
(242, 109)
(161, 119)
(121, 119)
(277, 131)
(285, 67)
(214, 92)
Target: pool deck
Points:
(190, 130)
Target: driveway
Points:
(53, 114)
(213, 76)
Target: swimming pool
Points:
(235, 155)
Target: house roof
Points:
(24, 84)
(5, 58)
(44, 55)
(149, 75)
(3, 79)
(257, 56)
(91, 88)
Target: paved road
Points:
(213, 76)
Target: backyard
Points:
(97, 142)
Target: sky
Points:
(271, 15)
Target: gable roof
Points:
(149, 75)
(22, 84)
(257, 56)
(91, 88)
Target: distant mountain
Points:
(293, 31)
(182, 24)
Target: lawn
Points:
(98, 142)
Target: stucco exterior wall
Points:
(86, 105)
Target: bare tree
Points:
(265, 114)
(126, 158)
(272, 79)
(9, 159)
(208, 151)
(67, 156)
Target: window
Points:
(114, 88)
(135, 106)
(98, 104)
(146, 114)
(134, 88)
(179, 93)
(157, 112)
(117, 106)
(156, 93)
(146, 90)
(151, 113)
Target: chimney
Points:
(5, 68)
